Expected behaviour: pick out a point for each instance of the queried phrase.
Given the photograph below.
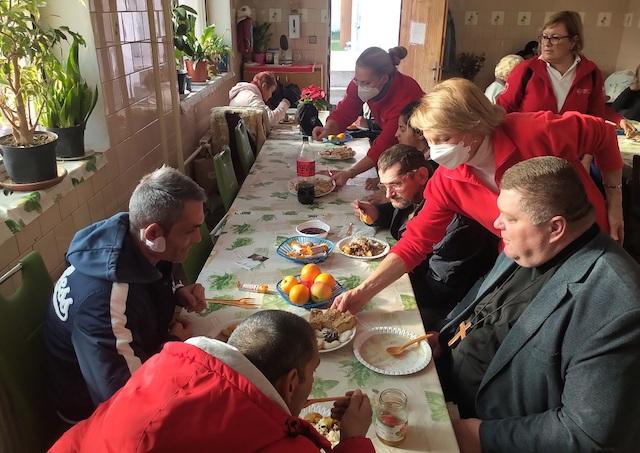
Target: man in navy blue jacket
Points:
(114, 306)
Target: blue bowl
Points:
(347, 138)
(285, 248)
(339, 289)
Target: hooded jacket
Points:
(198, 396)
(110, 311)
(246, 94)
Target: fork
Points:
(243, 302)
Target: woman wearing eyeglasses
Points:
(561, 79)
(377, 82)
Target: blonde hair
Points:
(456, 106)
(573, 23)
(506, 65)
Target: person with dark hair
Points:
(258, 92)
(562, 79)
(114, 306)
(628, 102)
(530, 50)
(208, 396)
(545, 356)
(466, 252)
(386, 91)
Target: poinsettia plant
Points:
(314, 95)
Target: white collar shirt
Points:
(561, 83)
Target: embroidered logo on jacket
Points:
(61, 302)
(585, 91)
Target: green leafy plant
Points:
(68, 99)
(25, 49)
(469, 64)
(183, 22)
(261, 36)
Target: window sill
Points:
(200, 90)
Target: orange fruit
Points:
(288, 282)
(299, 294)
(309, 272)
(320, 291)
(327, 279)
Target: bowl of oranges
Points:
(311, 288)
(338, 139)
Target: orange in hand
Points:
(327, 279)
(299, 294)
(288, 282)
(309, 272)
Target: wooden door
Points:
(424, 61)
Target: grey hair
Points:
(275, 342)
(160, 197)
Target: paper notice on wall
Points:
(417, 32)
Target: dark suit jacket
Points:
(567, 376)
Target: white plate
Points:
(348, 239)
(293, 181)
(326, 153)
(370, 349)
(323, 409)
(342, 345)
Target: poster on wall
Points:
(417, 33)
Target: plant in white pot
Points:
(25, 49)
(68, 102)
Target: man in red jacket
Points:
(208, 396)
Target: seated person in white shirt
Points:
(256, 93)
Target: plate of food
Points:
(305, 249)
(363, 247)
(319, 415)
(337, 153)
(338, 139)
(370, 348)
(311, 299)
(322, 184)
(334, 329)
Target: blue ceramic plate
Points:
(335, 141)
(339, 289)
(285, 248)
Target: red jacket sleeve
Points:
(384, 141)
(348, 109)
(511, 98)
(429, 226)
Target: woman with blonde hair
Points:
(475, 143)
(502, 71)
(561, 79)
(386, 91)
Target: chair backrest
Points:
(227, 181)
(198, 254)
(26, 424)
(245, 153)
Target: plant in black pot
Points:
(68, 102)
(25, 49)
(183, 20)
(312, 99)
(261, 37)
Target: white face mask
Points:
(365, 93)
(450, 155)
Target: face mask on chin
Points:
(450, 155)
(365, 92)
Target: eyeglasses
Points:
(552, 39)
(395, 184)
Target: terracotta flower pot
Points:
(198, 73)
(259, 57)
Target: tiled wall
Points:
(602, 43)
(629, 55)
(302, 49)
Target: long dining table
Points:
(265, 213)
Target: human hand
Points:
(191, 297)
(354, 415)
(372, 183)
(318, 133)
(614, 213)
(467, 432)
(351, 301)
(341, 177)
(365, 211)
(627, 127)
(180, 329)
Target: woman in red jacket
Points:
(378, 83)
(561, 79)
(475, 143)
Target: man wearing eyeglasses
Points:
(465, 254)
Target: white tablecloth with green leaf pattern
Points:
(265, 213)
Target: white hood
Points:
(243, 86)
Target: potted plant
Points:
(261, 37)
(25, 48)
(198, 49)
(183, 20)
(68, 102)
(215, 48)
(312, 99)
(469, 64)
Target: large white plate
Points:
(293, 181)
(370, 349)
(342, 345)
(348, 239)
(327, 153)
